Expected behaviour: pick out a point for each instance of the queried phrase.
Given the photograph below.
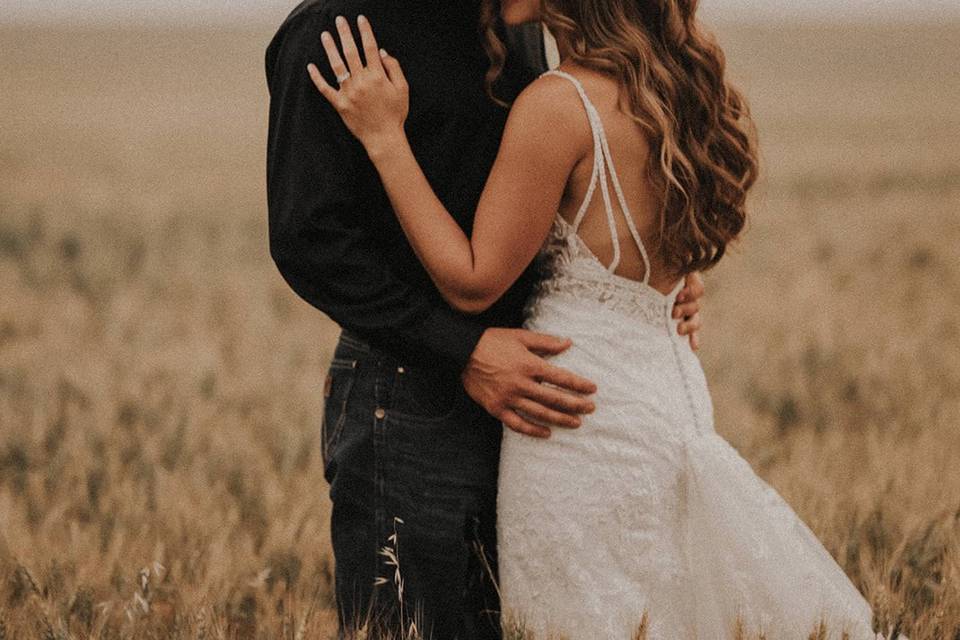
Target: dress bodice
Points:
(572, 271)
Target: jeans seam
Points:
(329, 438)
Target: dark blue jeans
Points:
(412, 466)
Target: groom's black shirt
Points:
(333, 234)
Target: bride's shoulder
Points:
(551, 88)
(551, 102)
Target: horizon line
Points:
(259, 18)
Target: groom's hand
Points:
(504, 376)
(687, 309)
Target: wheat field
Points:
(160, 386)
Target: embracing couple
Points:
(515, 414)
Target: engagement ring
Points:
(343, 77)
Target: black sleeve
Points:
(317, 238)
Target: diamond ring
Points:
(343, 77)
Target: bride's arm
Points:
(513, 217)
(520, 199)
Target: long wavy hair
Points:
(672, 76)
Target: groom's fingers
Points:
(695, 341)
(333, 54)
(690, 325)
(371, 51)
(546, 415)
(686, 309)
(693, 287)
(558, 399)
(518, 424)
(541, 343)
(566, 380)
(349, 45)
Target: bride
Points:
(623, 170)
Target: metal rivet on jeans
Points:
(379, 413)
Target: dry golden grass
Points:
(160, 387)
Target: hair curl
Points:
(672, 76)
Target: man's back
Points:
(332, 227)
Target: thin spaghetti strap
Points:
(631, 225)
(608, 208)
(599, 168)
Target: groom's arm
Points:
(317, 238)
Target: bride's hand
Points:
(373, 100)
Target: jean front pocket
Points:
(336, 393)
(426, 395)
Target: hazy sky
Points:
(271, 11)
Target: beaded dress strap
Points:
(602, 163)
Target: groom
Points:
(416, 392)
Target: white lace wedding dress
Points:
(646, 508)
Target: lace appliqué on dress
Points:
(571, 270)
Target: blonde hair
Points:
(672, 78)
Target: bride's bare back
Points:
(630, 151)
